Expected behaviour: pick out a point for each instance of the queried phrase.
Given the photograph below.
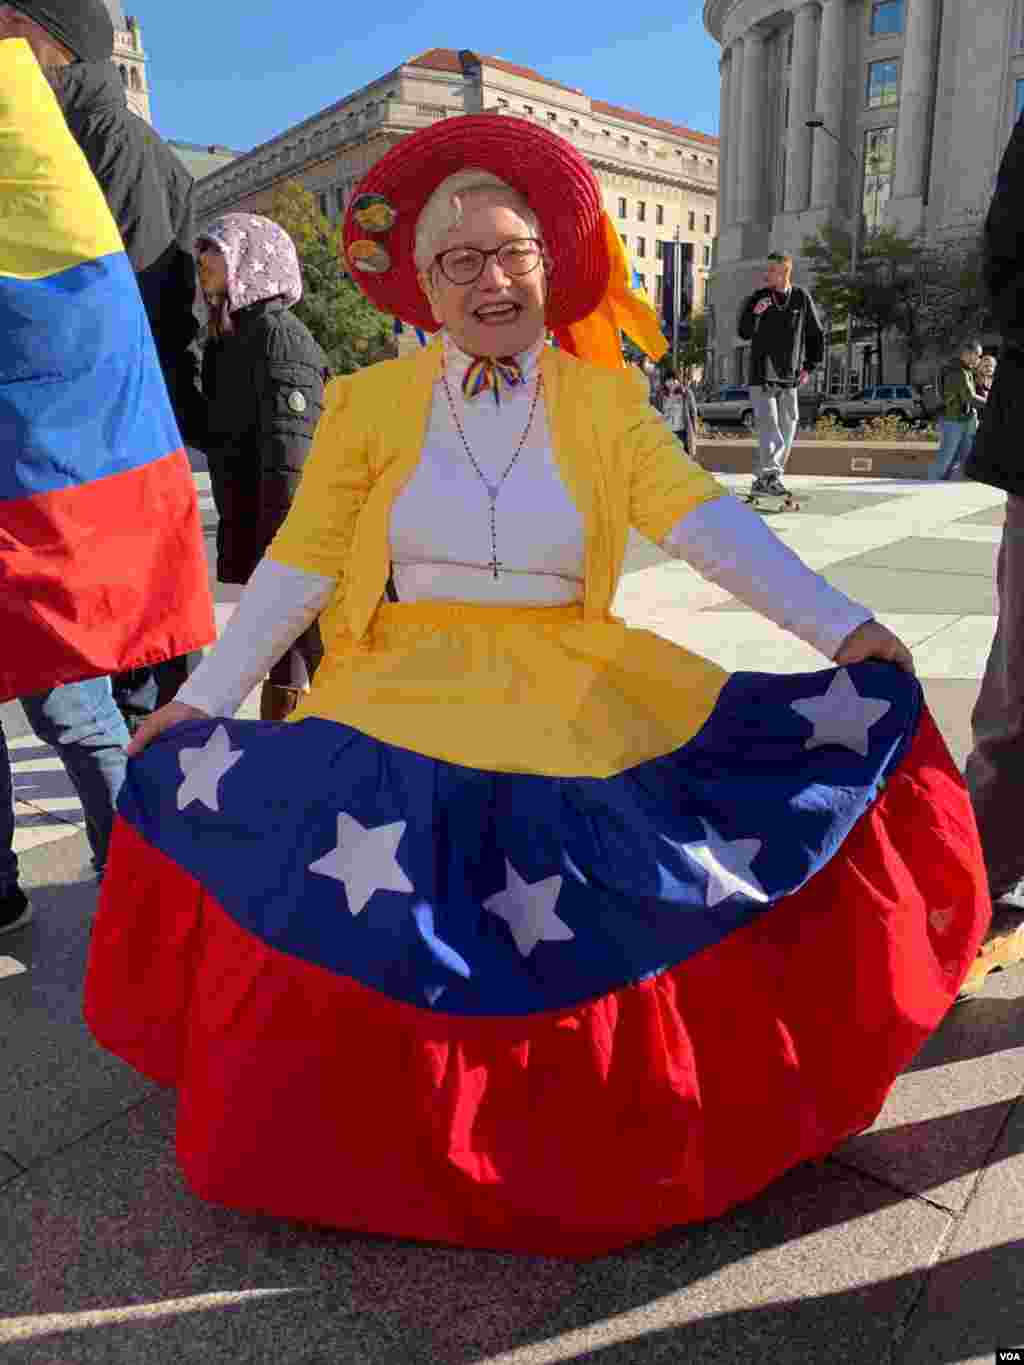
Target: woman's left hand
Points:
(872, 640)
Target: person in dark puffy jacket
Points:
(263, 379)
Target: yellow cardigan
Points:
(620, 463)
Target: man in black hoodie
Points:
(787, 343)
(149, 194)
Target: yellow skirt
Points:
(515, 689)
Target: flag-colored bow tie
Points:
(485, 373)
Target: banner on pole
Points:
(668, 287)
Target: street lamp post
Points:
(816, 122)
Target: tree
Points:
(877, 293)
(949, 301)
(348, 327)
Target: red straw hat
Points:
(380, 224)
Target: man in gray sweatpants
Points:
(787, 343)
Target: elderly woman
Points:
(528, 930)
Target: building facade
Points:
(130, 59)
(917, 98)
(657, 177)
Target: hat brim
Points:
(552, 176)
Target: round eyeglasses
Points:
(464, 264)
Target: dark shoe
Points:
(761, 484)
(777, 488)
(15, 911)
(276, 702)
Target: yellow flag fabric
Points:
(54, 214)
(597, 338)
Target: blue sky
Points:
(237, 74)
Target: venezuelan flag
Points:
(102, 566)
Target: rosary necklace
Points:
(493, 489)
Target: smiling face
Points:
(498, 314)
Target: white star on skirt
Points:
(841, 715)
(528, 908)
(723, 860)
(364, 860)
(203, 769)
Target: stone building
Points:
(130, 59)
(657, 176)
(920, 97)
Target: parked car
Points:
(878, 400)
(731, 406)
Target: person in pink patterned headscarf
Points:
(263, 380)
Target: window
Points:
(527, 108)
(643, 145)
(887, 17)
(574, 123)
(643, 280)
(707, 222)
(502, 104)
(625, 240)
(659, 291)
(641, 246)
(1019, 105)
(321, 200)
(658, 252)
(691, 220)
(879, 155)
(659, 214)
(883, 87)
(789, 49)
(707, 255)
(641, 211)
(622, 208)
(339, 199)
(124, 75)
(552, 118)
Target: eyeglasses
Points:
(465, 264)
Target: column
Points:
(917, 79)
(724, 150)
(801, 107)
(828, 104)
(751, 129)
(735, 124)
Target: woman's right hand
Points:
(172, 714)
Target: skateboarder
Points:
(787, 343)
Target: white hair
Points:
(443, 210)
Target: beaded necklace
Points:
(493, 489)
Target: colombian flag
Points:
(102, 566)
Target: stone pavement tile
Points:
(975, 1297)
(988, 516)
(959, 651)
(59, 1084)
(945, 1113)
(932, 554)
(950, 701)
(751, 642)
(917, 591)
(821, 1267)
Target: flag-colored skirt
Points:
(679, 934)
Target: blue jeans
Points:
(956, 437)
(82, 723)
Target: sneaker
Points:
(777, 488)
(15, 910)
(760, 485)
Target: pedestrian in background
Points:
(995, 767)
(959, 421)
(263, 381)
(786, 344)
(985, 376)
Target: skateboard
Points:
(775, 502)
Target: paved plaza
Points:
(904, 1248)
